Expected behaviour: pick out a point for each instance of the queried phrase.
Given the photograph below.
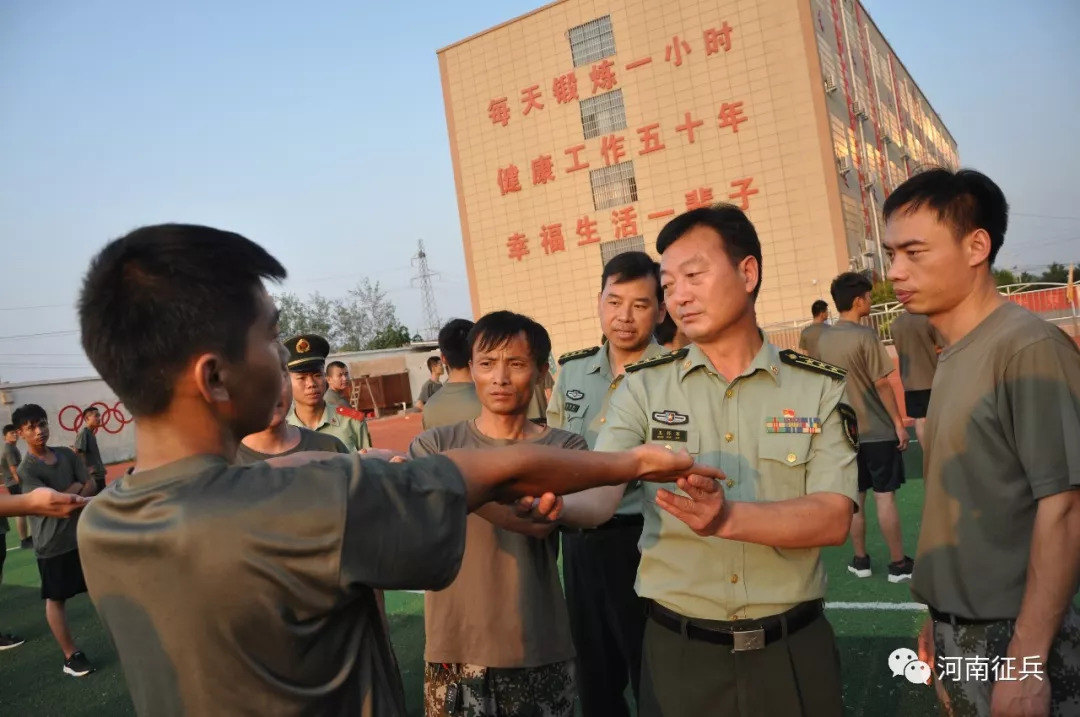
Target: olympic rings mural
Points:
(113, 418)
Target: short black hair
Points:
(431, 361)
(27, 414)
(736, 231)
(966, 200)
(498, 327)
(665, 331)
(454, 343)
(90, 409)
(335, 364)
(9, 428)
(847, 287)
(160, 295)
(631, 265)
(818, 308)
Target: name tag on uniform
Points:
(668, 434)
(793, 424)
(571, 407)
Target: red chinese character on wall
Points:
(574, 152)
(543, 169)
(499, 111)
(586, 229)
(603, 76)
(517, 245)
(650, 138)
(697, 198)
(508, 180)
(530, 97)
(611, 146)
(715, 39)
(564, 87)
(551, 238)
(676, 50)
(688, 126)
(731, 115)
(625, 222)
(744, 192)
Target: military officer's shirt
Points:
(353, 433)
(1001, 434)
(237, 590)
(916, 342)
(580, 399)
(776, 431)
(856, 349)
(809, 338)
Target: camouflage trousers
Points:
(545, 691)
(970, 658)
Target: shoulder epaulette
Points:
(657, 360)
(793, 358)
(581, 353)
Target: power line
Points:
(41, 306)
(41, 335)
(1044, 216)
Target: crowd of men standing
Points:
(693, 488)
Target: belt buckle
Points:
(748, 640)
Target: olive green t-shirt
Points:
(506, 606)
(87, 446)
(53, 536)
(455, 402)
(916, 343)
(1001, 434)
(309, 441)
(9, 458)
(856, 348)
(429, 389)
(808, 339)
(248, 590)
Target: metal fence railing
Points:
(1048, 300)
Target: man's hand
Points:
(53, 504)
(383, 454)
(902, 436)
(545, 509)
(656, 464)
(703, 510)
(925, 646)
(1021, 698)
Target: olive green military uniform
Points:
(307, 354)
(1001, 435)
(353, 433)
(607, 618)
(736, 628)
(455, 402)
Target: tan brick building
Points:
(579, 129)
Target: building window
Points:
(603, 114)
(614, 185)
(592, 41)
(610, 249)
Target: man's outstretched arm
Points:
(41, 501)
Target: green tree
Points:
(362, 316)
(1056, 273)
(297, 316)
(1004, 277)
(882, 293)
(1026, 278)
(390, 337)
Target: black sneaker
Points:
(9, 641)
(860, 567)
(27, 544)
(77, 665)
(901, 570)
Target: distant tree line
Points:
(1056, 273)
(362, 321)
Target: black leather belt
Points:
(741, 635)
(617, 521)
(955, 620)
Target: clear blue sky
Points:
(319, 132)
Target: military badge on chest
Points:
(573, 395)
(788, 422)
(669, 418)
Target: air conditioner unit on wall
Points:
(889, 140)
(843, 164)
(830, 84)
(859, 110)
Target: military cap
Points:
(307, 353)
